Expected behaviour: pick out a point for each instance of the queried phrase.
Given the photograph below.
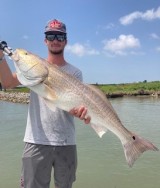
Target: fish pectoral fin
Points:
(48, 95)
(50, 98)
(44, 91)
(50, 105)
(100, 130)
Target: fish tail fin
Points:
(135, 147)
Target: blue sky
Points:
(115, 41)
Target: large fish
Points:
(64, 91)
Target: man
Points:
(50, 136)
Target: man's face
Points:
(56, 42)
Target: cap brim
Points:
(52, 31)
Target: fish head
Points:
(31, 67)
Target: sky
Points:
(111, 42)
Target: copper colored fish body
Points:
(64, 91)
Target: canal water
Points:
(101, 162)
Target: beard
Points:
(58, 52)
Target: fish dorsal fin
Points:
(102, 95)
(98, 91)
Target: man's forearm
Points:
(7, 78)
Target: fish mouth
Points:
(15, 57)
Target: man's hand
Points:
(81, 113)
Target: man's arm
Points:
(7, 78)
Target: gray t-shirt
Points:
(47, 127)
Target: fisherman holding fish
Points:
(50, 135)
(50, 132)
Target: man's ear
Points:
(45, 41)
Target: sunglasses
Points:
(59, 37)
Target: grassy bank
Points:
(19, 89)
(140, 88)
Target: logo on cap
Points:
(55, 24)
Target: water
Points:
(101, 162)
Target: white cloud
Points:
(130, 18)
(154, 36)
(148, 15)
(121, 45)
(81, 50)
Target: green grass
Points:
(130, 88)
(19, 89)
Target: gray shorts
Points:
(37, 163)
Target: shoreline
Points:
(134, 94)
(15, 97)
(22, 97)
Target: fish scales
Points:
(84, 94)
(64, 91)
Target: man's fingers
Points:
(87, 120)
(81, 113)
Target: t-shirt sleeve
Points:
(78, 75)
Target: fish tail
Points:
(135, 147)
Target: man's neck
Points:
(57, 60)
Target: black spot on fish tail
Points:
(135, 147)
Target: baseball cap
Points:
(55, 25)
